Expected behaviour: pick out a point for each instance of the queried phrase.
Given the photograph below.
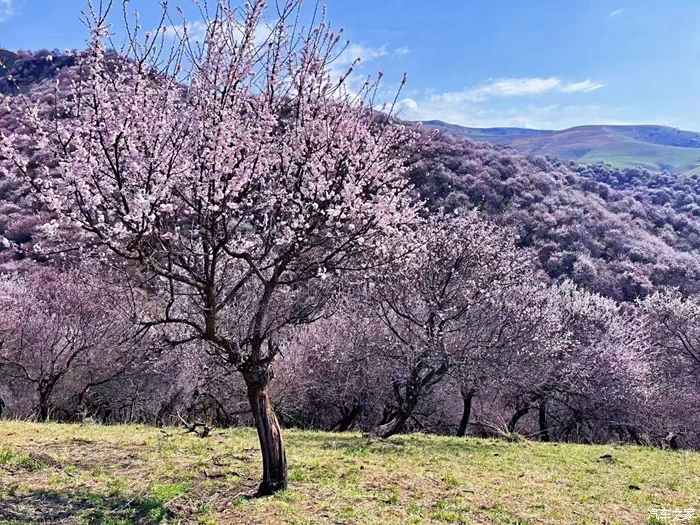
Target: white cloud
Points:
(513, 87)
(358, 56)
(616, 12)
(365, 54)
(359, 52)
(489, 105)
(546, 116)
(517, 87)
(197, 31)
(7, 9)
(585, 86)
(407, 105)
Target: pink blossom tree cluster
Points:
(64, 333)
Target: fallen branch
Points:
(199, 428)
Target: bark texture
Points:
(269, 434)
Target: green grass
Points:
(630, 153)
(134, 474)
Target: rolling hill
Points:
(657, 148)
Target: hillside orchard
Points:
(233, 233)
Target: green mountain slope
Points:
(652, 147)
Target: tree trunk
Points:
(386, 416)
(43, 410)
(635, 435)
(43, 407)
(408, 399)
(394, 425)
(467, 396)
(517, 417)
(542, 417)
(269, 434)
(348, 419)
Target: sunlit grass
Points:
(136, 474)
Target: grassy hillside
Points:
(614, 146)
(650, 147)
(136, 474)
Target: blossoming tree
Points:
(64, 329)
(437, 303)
(240, 175)
(670, 322)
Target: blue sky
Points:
(532, 63)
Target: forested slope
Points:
(618, 232)
(622, 233)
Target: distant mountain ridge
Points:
(658, 148)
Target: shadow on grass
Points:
(89, 508)
(353, 443)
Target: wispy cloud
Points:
(194, 30)
(516, 87)
(366, 54)
(535, 116)
(512, 87)
(616, 12)
(362, 53)
(357, 57)
(584, 86)
(7, 9)
(197, 31)
(489, 104)
(350, 59)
